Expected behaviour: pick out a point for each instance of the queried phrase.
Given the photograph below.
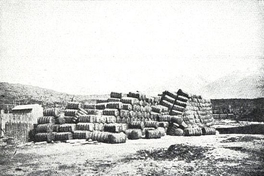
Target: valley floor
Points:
(230, 154)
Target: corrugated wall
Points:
(18, 126)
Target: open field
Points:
(230, 154)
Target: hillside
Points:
(236, 85)
(25, 94)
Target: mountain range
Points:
(234, 85)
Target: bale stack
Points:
(197, 113)
(48, 125)
(187, 113)
(135, 130)
(72, 113)
(107, 120)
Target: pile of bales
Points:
(128, 116)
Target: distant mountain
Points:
(236, 85)
(190, 84)
(26, 94)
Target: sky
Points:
(99, 46)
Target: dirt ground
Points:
(230, 154)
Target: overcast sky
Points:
(95, 47)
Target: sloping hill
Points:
(25, 94)
(236, 85)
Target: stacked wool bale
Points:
(47, 126)
(114, 126)
(72, 113)
(103, 116)
(89, 122)
(198, 116)
(190, 114)
(141, 119)
(133, 113)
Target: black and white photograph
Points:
(132, 87)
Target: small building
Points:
(21, 122)
(27, 113)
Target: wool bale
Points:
(127, 107)
(92, 111)
(208, 131)
(116, 95)
(49, 137)
(101, 106)
(166, 104)
(82, 111)
(114, 105)
(60, 120)
(87, 118)
(63, 136)
(178, 108)
(136, 107)
(89, 106)
(100, 136)
(149, 100)
(167, 98)
(136, 125)
(98, 127)
(177, 119)
(124, 113)
(70, 119)
(159, 108)
(99, 101)
(44, 128)
(145, 129)
(67, 127)
(180, 103)
(182, 98)
(125, 120)
(154, 116)
(175, 112)
(163, 124)
(70, 112)
(148, 108)
(118, 119)
(152, 134)
(110, 119)
(56, 128)
(51, 112)
(113, 100)
(142, 109)
(114, 128)
(175, 130)
(124, 127)
(85, 126)
(164, 118)
(46, 119)
(73, 105)
(111, 112)
(145, 115)
(81, 134)
(192, 131)
(129, 100)
(100, 119)
(132, 114)
(134, 133)
(182, 93)
(170, 94)
(138, 115)
(115, 138)
(162, 131)
(153, 124)
(134, 95)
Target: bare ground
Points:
(203, 155)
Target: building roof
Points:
(25, 107)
